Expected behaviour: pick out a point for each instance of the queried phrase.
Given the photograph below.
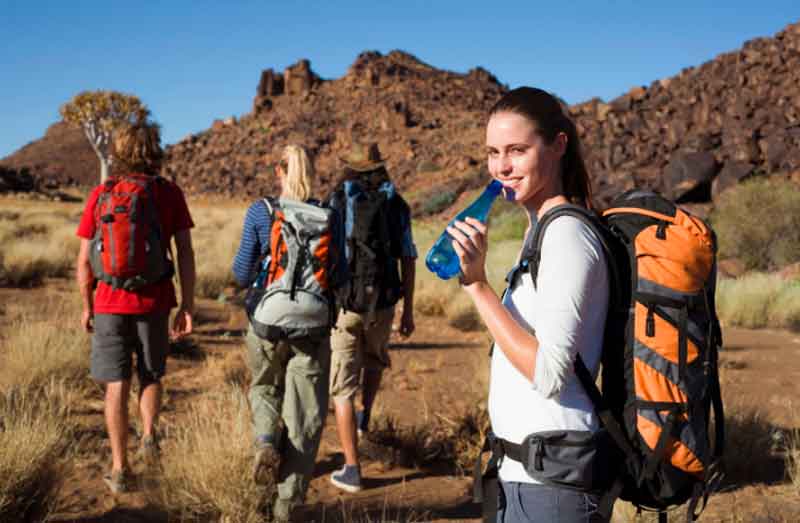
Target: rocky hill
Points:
(426, 121)
(689, 136)
(62, 156)
(705, 128)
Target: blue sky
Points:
(192, 62)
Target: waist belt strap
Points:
(513, 451)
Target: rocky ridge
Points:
(689, 136)
(426, 121)
(704, 129)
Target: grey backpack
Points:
(291, 297)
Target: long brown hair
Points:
(549, 117)
(137, 149)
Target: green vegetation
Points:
(758, 222)
(427, 166)
(437, 201)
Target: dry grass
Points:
(793, 459)
(34, 433)
(436, 297)
(39, 241)
(759, 300)
(442, 442)
(752, 448)
(216, 239)
(349, 513)
(207, 463)
(46, 344)
(37, 244)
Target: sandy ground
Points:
(436, 373)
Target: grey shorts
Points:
(117, 337)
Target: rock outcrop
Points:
(690, 136)
(418, 114)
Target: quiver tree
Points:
(99, 113)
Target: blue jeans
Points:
(532, 503)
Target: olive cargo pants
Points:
(289, 389)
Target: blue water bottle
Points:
(442, 260)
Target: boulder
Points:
(688, 176)
(731, 174)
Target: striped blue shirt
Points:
(254, 243)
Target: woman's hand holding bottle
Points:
(471, 245)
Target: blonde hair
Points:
(298, 173)
(137, 148)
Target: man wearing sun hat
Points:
(360, 340)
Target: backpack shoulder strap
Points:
(582, 372)
(270, 204)
(533, 257)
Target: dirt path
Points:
(437, 373)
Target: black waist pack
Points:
(579, 460)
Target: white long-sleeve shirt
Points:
(567, 315)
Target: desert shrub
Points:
(758, 222)
(428, 166)
(437, 201)
(462, 314)
(206, 467)
(752, 449)
(34, 433)
(415, 446)
(759, 300)
(468, 434)
(441, 442)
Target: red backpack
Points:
(129, 250)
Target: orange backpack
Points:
(660, 376)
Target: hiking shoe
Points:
(265, 465)
(282, 511)
(348, 478)
(149, 451)
(118, 481)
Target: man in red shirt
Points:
(126, 319)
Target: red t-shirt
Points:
(156, 297)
